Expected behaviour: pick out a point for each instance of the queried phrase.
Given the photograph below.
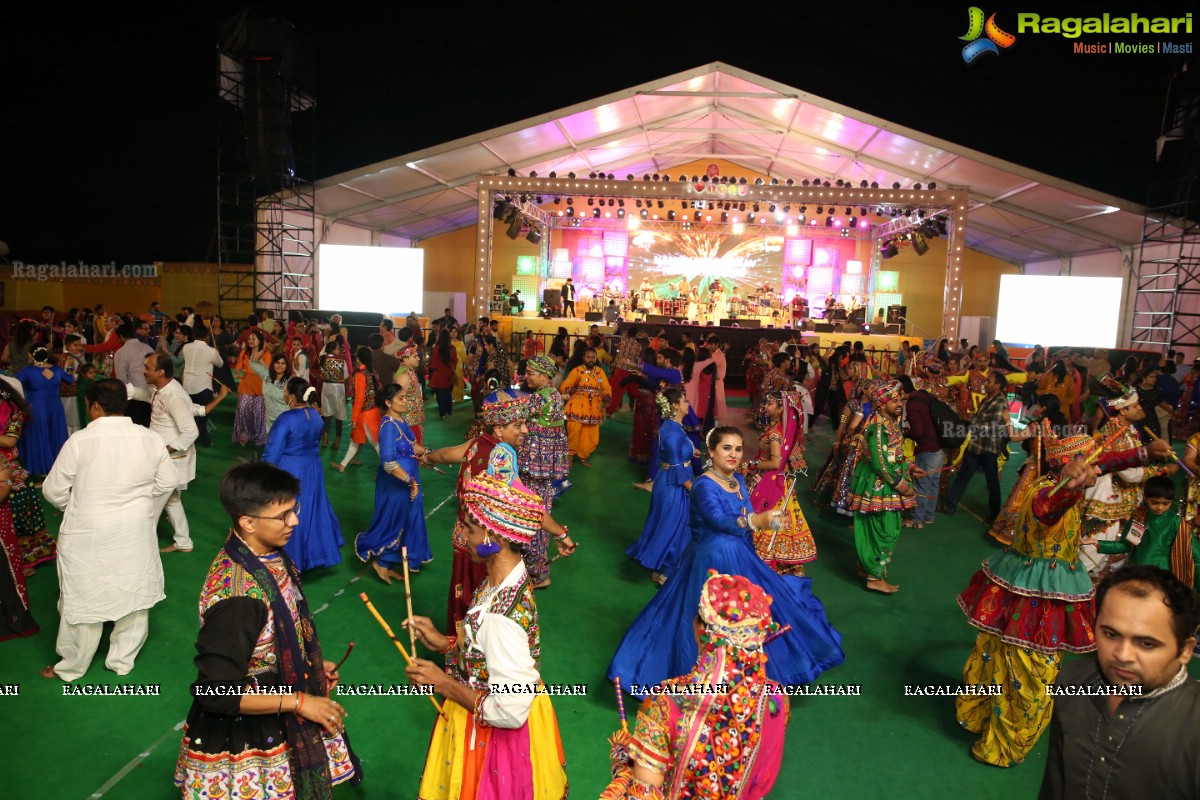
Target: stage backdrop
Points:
(675, 261)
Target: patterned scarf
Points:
(302, 668)
(1181, 553)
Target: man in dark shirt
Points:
(383, 364)
(1127, 723)
(989, 438)
(928, 452)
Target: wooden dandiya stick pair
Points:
(1170, 452)
(411, 633)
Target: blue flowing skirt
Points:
(316, 539)
(661, 643)
(667, 532)
(398, 522)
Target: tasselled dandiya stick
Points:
(388, 630)
(412, 634)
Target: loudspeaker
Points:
(893, 330)
(823, 327)
(895, 314)
(592, 316)
(551, 297)
(657, 319)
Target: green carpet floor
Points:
(881, 744)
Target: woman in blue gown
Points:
(661, 643)
(666, 532)
(46, 432)
(294, 444)
(399, 519)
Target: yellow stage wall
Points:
(179, 284)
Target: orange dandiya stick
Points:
(388, 630)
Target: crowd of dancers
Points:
(735, 621)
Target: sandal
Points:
(338, 466)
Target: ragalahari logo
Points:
(976, 27)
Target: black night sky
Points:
(110, 115)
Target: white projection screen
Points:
(387, 280)
(1054, 310)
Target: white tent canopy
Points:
(717, 111)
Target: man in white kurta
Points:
(107, 480)
(172, 417)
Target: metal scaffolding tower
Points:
(1166, 310)
(266, 200)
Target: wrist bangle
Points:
(478, 710)
(451, 643)
(299, 703)
(563, 535)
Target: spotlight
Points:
(539, 200)
(820, 210)
(704, 179)
(646, 214)
(639, 203)
(570, 211)
(848, 212)
(852, 223)
(660, 204)
(862, 212)
(896, 185)
(514, 227)
(570, 201)
(750, 218)
(829, 222)
(742, 181)
(532, 174)
(932, 185)
(888, 250)
(724, 216)
(620, 213)
(629, 177)
(772, 208)
(826, 184)
(571, 175)
(874, 184)
(758, 181)
(840, 183)
(500, 210)
(756, 207)
(670, 215)
(862, 184)
(553, 174)
(774, 181)
(919, 245)
(610, 201)
(787, 209)
(591, 201)
(790, 182)
(803, 209)
(512, 173)
(682, 204)
(917, 186)
(596, 213)
(534, 236)
(804, 182)
(741, 206)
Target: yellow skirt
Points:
(468, 762)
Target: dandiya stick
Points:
(219, 383)
(349, 650)
(1174, 457)
(1092, 458)
(388, 630)
(621, 705)
(412, 634)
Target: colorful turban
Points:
(407, 350)
(543, 365)
(505, 406)
(881, 391)
(1065, 450)
(734, 609)
(508, 511)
